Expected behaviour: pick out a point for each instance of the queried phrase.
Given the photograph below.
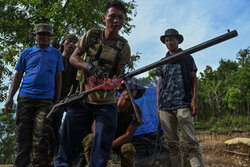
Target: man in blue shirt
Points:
(177, 101)
(40, 88)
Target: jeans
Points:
(77, 125)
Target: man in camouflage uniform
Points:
(126, 127)
(69, 85)
(177, 101)
(106, 53)
(41, 86)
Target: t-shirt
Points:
(104, 96)
(172, 93)
(40, 67)
(68, 77)
(126, 118)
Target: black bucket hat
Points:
(172, 32)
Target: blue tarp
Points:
(147, 104)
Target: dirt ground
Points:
(215, 153)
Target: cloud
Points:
(197, 21)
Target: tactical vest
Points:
(104, 56)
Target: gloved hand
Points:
(95, 71)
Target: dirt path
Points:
(215, 153)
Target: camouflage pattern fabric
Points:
(126, 151)
(87, 145)
(32, 132)
(42, 27)
(90, 44)
(126, 118)
(172, 91)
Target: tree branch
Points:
(65, 5)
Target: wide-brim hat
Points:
(42, 27)
(133, 84)
(172, 32)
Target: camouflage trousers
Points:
(32, 132)
(126, 151)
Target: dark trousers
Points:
(55, 136)
(32, 132)
(77, 124)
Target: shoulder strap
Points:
(119, 46)
(94, 36)
(120, 43)
(186, 77)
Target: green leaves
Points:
(7, 138)
(19, 17)
(227, 89)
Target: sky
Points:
(198, 21)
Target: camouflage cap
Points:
(70, 36)
(172, 32)
(42, 27)
(134, 85)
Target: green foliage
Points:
(150, 80)
(229, 122)
(4, 73)
(225, 90)
(7, 138)
(132, 64)
(18, 19)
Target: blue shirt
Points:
(40, 67)
(172, 91)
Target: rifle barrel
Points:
(184, 53)
(165, 60)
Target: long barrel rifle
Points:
(79, 96)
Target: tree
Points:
(18, 18)
(225, 90)
(149, 81)
(132, 64)
(238, 94)
(7, 138)
(4, 73)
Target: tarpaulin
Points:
(147, 103)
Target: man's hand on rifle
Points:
(95, 71)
